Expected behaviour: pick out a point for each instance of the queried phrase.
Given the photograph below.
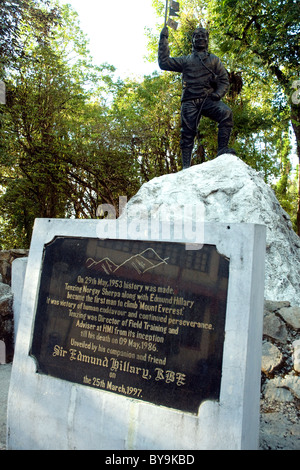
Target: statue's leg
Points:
(189, 117)
(223, 140)
(222, 114)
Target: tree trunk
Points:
(295, 116)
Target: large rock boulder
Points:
(231, 192)
(6, 320)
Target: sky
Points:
(116, 31)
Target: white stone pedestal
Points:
(49, 413)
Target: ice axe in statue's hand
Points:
(166, 13)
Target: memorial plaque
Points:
(145, 320)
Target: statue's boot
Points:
(223, 140)
(186, 158)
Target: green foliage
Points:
(40, 14)
(73, 137)
(59, 155)
(148, 114)
(257, 42)
(265, 37)
(269, 30)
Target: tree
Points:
(14, 13)
(147, 116)
(267, 32)
(58, 156)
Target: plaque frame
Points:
(65, 415)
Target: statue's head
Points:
(200, 39)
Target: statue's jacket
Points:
(202, 73)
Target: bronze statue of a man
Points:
(205, 82)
